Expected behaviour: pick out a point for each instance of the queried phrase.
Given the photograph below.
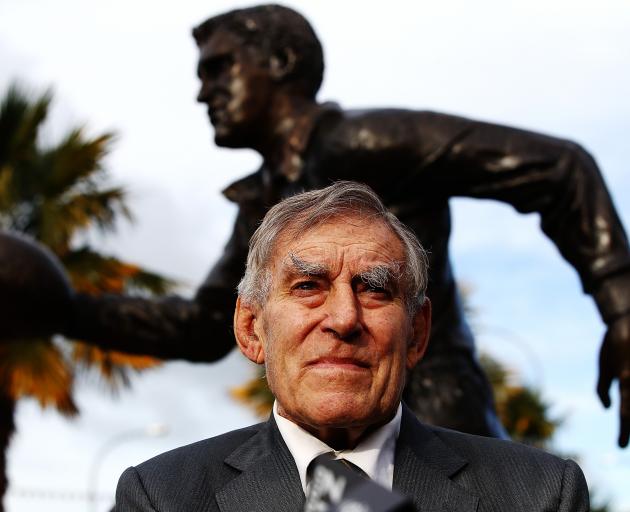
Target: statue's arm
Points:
(197, 329)
(559, 180)
(169, 327)
(422, 156)
(555, 178)
(37, 299)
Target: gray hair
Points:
(299, 213)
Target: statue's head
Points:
(247, 56)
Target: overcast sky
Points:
(560, 67)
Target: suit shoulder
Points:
(208, 452)
(185, 478)
(510, 465)
(487, 449)
(182, 479)
(514, 476)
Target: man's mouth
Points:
(332, 362)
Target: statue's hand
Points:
(614, 363)
(35, 294)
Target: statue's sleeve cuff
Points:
(613, 296)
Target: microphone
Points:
(336, 488)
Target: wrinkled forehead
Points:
(355, 242)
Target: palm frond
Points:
(114, 367)
(143, 282)
(99, 206)
(21, 117)
(6, 196)
(56, 222)
(36, 368)
(94, 273)
(521, 409)
(255, 394)
(75, 163)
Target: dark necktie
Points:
(329, 458)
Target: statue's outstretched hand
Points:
(614, 363)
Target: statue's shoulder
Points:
(384, 117)
(379, 119)
(384, 128)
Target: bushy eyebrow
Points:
(385, 276)
(305, 268)
(382, 276)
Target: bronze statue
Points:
(260, 70)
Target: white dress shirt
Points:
(374, 455)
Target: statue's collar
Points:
(293, 156)
(292, 166)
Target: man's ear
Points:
(420, 336)
(282, 64)
(246, 330)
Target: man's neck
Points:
(342, 438)
(346, 438)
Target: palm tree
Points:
(521, 409)
(53, 194)
(255, 394)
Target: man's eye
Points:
(305, 285)
(373, 289)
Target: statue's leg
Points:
(449, 389)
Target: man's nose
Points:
(343, 314)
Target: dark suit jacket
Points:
(441, 470)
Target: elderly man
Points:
(332, 303)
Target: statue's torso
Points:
(334, 153)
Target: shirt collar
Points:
(374, 455)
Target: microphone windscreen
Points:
(335, 488)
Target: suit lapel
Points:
(424, 467)
(269, 479)
(424, 470)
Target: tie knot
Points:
(330, 460)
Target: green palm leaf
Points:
(75, 162)
(20, 120)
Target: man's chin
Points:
(333, 413)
